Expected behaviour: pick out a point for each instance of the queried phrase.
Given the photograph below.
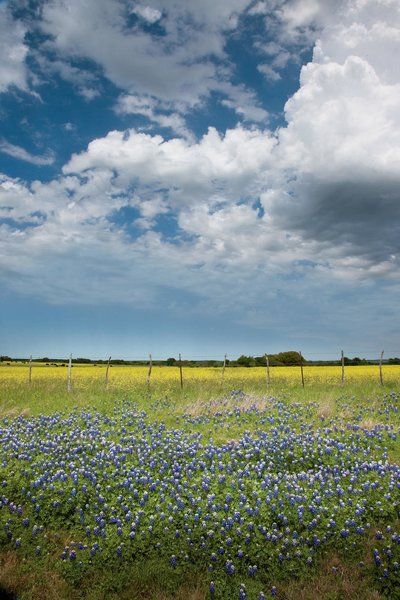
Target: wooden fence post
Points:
(342, 367)
(267, 372)
(69, 385)
(150, 368)
(223, 369)
(180, 371)
(301, 368)
(380, 368)
(107, 370)
(30, 369)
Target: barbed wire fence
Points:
(221, 362)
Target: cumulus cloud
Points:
(280, 215)
(214, 168)
(342, 145)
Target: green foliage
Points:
(282, 359)
(289, 358)
(355, 361)
(246, 361)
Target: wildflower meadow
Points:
(225, 489)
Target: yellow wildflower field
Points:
(234, 377)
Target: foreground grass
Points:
(357, 423)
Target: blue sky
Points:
(199, 177)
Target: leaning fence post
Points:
(180, 370)
(30, 369)
(69, 386)
(301, 368)
(380, 368)
(267, 371)
(150, 368)
(342, 367)
(223, 369)
(107, 370)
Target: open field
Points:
(225, 489)
(48, 390)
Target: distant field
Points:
(253, 376)
(227, 488)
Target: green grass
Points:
(320, 405)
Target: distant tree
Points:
(5, 359)
(246, 361)
(355, 361)
(170, 362)
(273, 361)
(289, 358)
(394, 361)
(260, 361)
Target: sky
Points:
(199, 176)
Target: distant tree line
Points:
(282, 359)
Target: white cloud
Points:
(269, 72)
(342, 147)
(174, 67)
(22, 154)
(151, 15)
(149, 107)
(215, 166)
(179, 69)
(259, 8)
(13, 51)
(84, 81)
(342, 120)
(315, 203)
(300, 21)
(292, 27)
(369, 29)
(243, 102)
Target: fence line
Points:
(301, 368)
(268, 374)
(380, 368)
(150, 369)
(223, 369)
(340, 363)
(30, 369)
(342, 366)
(69, 385)
(107, 370)
(180, 371)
